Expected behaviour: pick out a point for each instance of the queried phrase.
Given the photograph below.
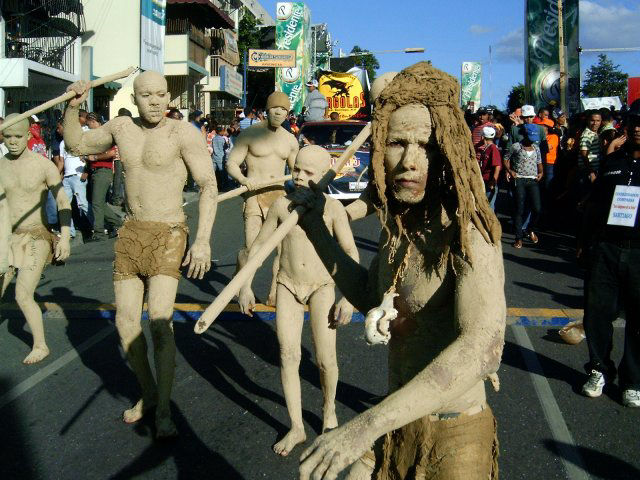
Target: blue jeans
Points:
(76, 188)
(491, 196)
(526, 188)
(52, 209)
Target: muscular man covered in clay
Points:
(156, 152)
(440, 265)
(266, 148)
(26, 178)
(303, 280)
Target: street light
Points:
(404, 50)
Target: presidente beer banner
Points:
(346, 93)
(272, 58)
(542, 69)
(293, 32)
(471, 85)
(152, 21)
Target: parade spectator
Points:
(74, 183)
(527, 115)
(614, 280)
(249, 119)
(590, 147)
(523, 164)
(101, 166)
(315, 103)
(3, 147)
(175, 114)
(117, 197)
(334, 116)
(482, 116)
(219, 164)
(490, 165)
(36, 143)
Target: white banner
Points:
(152, 22)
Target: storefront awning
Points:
(207, 13)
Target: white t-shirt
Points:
(3, 149)
(72, 165)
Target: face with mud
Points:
(16, 137)
(408, 151)
(276, 115)
(151, 96)
(311, 164)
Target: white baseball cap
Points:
(312, 83)
(528, 111)
(488, 132)
(35, 118)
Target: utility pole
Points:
(490, 78)
(561, 59)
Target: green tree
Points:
(516, 97)
(368, 60)
(605, 79)
(248, 35)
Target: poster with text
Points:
(471, 85)
(346, 93)
(152, 23)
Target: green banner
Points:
(293, 32)
(542, 69)
(471, 85)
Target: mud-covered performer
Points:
(440, 254)
(265, 148)
(25, 178)
(156, 153)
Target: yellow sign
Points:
(344, 93)
(350, 167)
(272, 58)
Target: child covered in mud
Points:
(304, 280)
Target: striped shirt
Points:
(590, 141)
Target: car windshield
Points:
(328, 134)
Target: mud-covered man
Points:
(25, 179)
(265, 148)
(440, 253)
(156, 152)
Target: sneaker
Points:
(595, 384)
(631, 398)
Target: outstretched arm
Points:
(5, 232)
(76, 140)
(196, 156)
(63, 248)
(480, 313)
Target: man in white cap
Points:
(490, 163)
(316, 105)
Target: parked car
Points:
(336, 136)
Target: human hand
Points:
(616, 143)
(251, 185)
(63, 249)
(81, 88)
(515, 119)
(538, 177)
(592, 177)
(512, 174)
(334, 451)
(313, 200)
(342, 313)
(199, 259)
(246, 301)
(84, 176)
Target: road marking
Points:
(569, 455)
(54, 366)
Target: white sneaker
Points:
(631, 398)
(595, 384)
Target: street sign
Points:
(272, 58)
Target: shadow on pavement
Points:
(192, 458)
(597, 464)
(564, 299)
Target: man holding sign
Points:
(613, 272)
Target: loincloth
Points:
(22, 247)
(440, 448)
(258, 204)
(146, 249)
(300, 290)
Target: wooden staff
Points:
(240, 190)
(66, 96)
(234, 286)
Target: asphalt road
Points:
(61, 418)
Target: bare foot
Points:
(136, 412)
(329, 422)
(290, 440)
(165, 428)
(37, 354)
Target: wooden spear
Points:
(65, 96)
(240, 190)
(234, 286)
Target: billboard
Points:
(633, 90)
(542, 69)
(471, 85)
(230, 81)
(293, 32)
(346, 93)
(152, 21)
(272, 58)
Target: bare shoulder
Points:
(484, 256)
(333, 207)
(117, 124)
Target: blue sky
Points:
(453, 31)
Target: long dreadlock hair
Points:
(455, 173)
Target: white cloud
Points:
(510, 48)
(480, 29)
(611, 26)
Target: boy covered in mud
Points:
(303, 280)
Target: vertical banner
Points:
(633, 90)
(293, 32)
(542, 69)
(471, 85)
(152, 22)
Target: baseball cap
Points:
(488, 132)
(482, 111)
(35, 119)
(532, 131)
(557, 113)
(528, 111)
(312, 83)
